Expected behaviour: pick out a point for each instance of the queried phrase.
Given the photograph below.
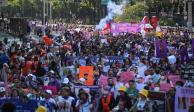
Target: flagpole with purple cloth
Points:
(193, 46)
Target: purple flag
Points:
(184, 54)
(157, 48)
(161, 48)
(193, 46)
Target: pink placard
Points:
(174, 78)
(124, 27)
(126, 76)
(103, 80)
(52, 88)
(165, 87)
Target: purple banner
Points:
(193, 46)
(183, 99)
(124, 27)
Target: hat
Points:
(122, 88)
(65, 81)
(41, 109)
(172, 59)
(48, 91)
(144, 92)
(2, 89)
(52, 71)
(82, 80)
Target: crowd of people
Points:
(29, 66)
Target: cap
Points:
(2, 89)
(52, 71)
(48, 91)
(65, 81)
(82, 80)
(122, 88)
(144, 92)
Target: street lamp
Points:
(51, 10)
(190, 16)
(44, 20)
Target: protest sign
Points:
(103, 80)
(52, 88)
(183, 99)
(126, 76)
(165, 87)
(174, 78)
(89, 70)
(117, 28)
(159, 98)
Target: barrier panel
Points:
(159, 97)
(21, 106)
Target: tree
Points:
(132, 13)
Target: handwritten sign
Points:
(87, 70)
(126, 76)
(103, 80)
(174, 78)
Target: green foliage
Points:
(167, 22)
(132, 13)
(87, 11)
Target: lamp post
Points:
(43, 22)
(190, 21)
(51, 11)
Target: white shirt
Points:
(84, 107)
(117, 87)
(141, 69)
(140, 86)
(141, 105)
(68, 103)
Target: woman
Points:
(107, 100)
(123, 95)
(142, 103)
(15, 94)
(83, 104)
(5, 73)
(132, 90)
(65, 102)
(121, 107)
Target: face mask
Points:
(162, 77)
